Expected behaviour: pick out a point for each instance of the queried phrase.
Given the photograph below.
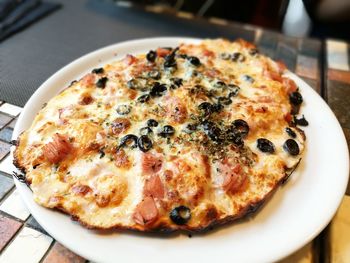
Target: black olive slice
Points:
(97, 70)
(151, 56)
(291, 133)
(180, 215)
(241, 126)
(143, 98)
(237, 57)
(158, 89)
(234, 89)
(205, 108)
(146, 131)
(144, 143)
(213, 132)
(265, 145)
(248, 78)
(301, 122)
(194, 61)
(167, 131)
(101, 83)
(291, 146)
(177, 82)
(225, 56)
(154, 74)
(224, 100)
(253, 52)
(217, 107)
(123, 109)
(152, 123)
(295, 98)
(190, 128)
(129, 140)
(220, 85)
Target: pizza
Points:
(179, 138)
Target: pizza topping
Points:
(224, 100)
(291, 146)
(151, 56)
(241, 127)
(225, 56)
(177, 111)
(129, 141)
(129, 59)
(194, 61)
(97, 71)
(143, 98)
(58, 149)
(151, 163)
(146, 212)
(302, 121)
(234, 177)
(121, 159)
(205, 108)
(253, 52)
(180, 215)
(162, 51)
(154, 74)
(152, 123)
(237, 57)
(177, 82)
(146, 131)
(154, 187)
(123, 109)
(295, 98)
(290, 132)
(213, 131)
(85, 99)
(265, 145)
(81, 189)
(158, 89)
(120, 125)
(234, 89)
(167, 131)
(144, 143)
(101, 83)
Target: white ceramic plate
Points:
(293, 217)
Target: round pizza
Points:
(180, 138)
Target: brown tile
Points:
(307, 67)
(313, 83)
(338, 96)
(4, 149)
(339, 75)
(4, 119)
(8, 228)
(287, 54)
(347, 136)
(60, 254)
(310, 47)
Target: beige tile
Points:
(29, 246)
(14, 205)
(10, 109)
(6, 165)
(340, 234)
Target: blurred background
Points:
(299, 18)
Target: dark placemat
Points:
(79, 27)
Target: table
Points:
(58, 39)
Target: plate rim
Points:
(43, 89)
